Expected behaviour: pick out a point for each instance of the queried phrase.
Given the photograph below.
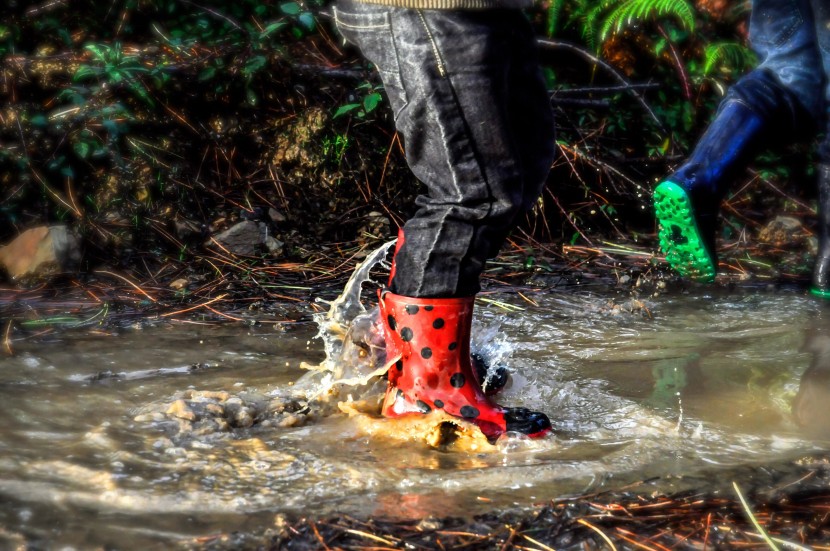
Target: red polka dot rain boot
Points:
(428, 352)
(491, 379)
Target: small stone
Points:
(781, 230)
(222, 426)
(276, 216)
(40, 253)
(430, 524)
(180, 410)
(218, 395)
(187, 229)
(176, 452)
(243, 418)
(163, 444)
(244, 238)
(203, 428)
(179, 284)
(289, 420)
(274, 245)
(185, 426)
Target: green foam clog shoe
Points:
(680, 235)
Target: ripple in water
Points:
(199, 430)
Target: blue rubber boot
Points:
(686, 204)
(821, 271)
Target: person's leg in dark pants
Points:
(821, 271)
(472, 110)
(776, 101)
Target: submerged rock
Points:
(194, 413)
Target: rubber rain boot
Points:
(686, 204)
(491, 380)
(821, 270)
(428, 354)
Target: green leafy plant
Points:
(335, 147)
(110, 66)
(598, 21)
(371, 98)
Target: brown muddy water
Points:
(152, 438)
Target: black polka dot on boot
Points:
(438, 403)
(426, 353)
(458, 380)
(411, 309)
(392, 323)
(469, 412)
(406, 334)
(423, 407)
(438, 323)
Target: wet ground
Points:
(149, 438)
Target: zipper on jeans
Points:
(435, 51)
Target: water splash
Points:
(351, 335)
(489, 343)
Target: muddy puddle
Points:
(154, 438)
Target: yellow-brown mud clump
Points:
(436, 429)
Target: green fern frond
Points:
(730, 55)
(553, 15)
(590, 21)
(630, 12)
(581, 14)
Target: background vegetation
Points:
(150, 125)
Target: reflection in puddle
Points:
(159, 450)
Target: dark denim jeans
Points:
(789, 89)
(792, 41)
(474, 114)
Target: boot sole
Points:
(822, 293)
(395, 405)
(679, 236)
